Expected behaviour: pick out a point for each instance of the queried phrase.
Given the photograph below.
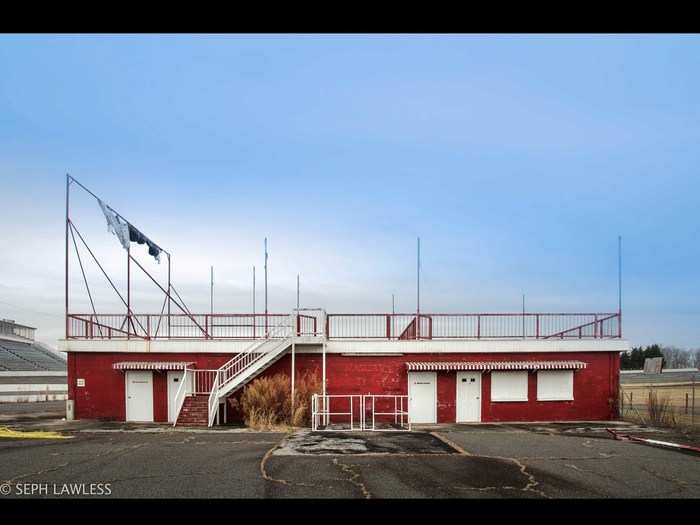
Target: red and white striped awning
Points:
(496, 365)
(151, 365)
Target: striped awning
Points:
(496, 365)
(151, 365)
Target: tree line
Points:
(673, 357)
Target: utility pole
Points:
(211, 291)
(297, 291)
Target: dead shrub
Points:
(266, 402)
(660, 411)
(305, 385)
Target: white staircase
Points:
(248, 364)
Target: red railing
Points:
(176, 326)
(348, 326)
(474, 326)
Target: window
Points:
(508, 386)
(555, 385)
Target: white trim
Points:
(345, 347)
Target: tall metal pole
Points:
(266, 331)
(211, 291)
(619, 285)
(169, 291)
(253, 301)
(523, 316)
(128, 293)
(393, 304)
(67, 222)
(297, 291)
(418, 291)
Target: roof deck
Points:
(316, 323)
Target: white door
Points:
(468, 397)
(174, 381)
(139, 396)
(422, 397)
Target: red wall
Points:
(595, 387)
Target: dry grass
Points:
(266, 403)
(660, 411)
(660, 405)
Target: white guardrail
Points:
(180, 395)
(360, 412)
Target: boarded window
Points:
(508, 386)
(555, 385)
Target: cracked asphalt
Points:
(458, 461)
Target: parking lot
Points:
(458, 461)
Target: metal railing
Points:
(314, 322)
(360, 412)
(213, 403)
(177, 326)
(203, 380)
(180, 395)
(394, 327)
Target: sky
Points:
(517, 159)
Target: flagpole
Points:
(418, 291)
(619, 285)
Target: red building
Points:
(417, 368)
(447, 368)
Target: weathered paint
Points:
(595, 387)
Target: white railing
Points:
(278, 338)
(180, 396)
(203, 380)
(241, 362)
(213, 401)
(360, 412)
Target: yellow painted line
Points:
(19, 434)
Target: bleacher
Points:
(29, 356)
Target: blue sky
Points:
(518, 159)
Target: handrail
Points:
(223, 374)
(339, 326)
(180, 396)
(213, 403)
(241, 362)
(593, 323)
